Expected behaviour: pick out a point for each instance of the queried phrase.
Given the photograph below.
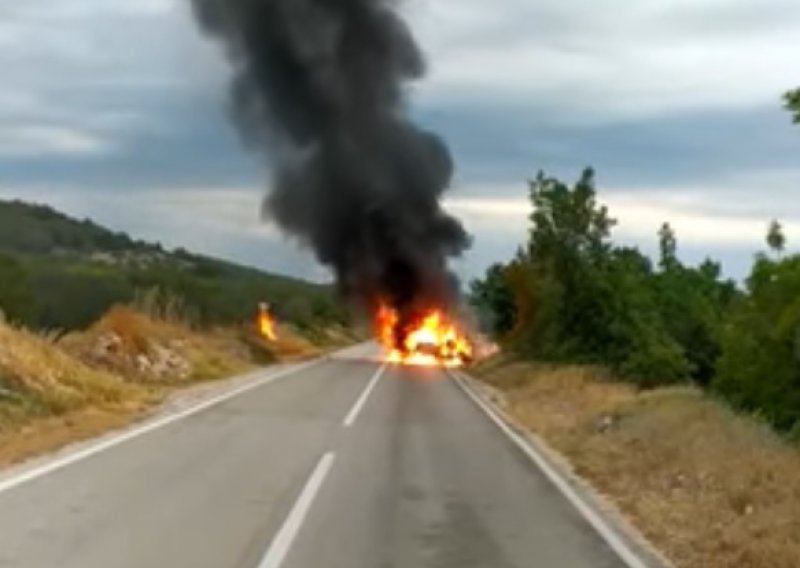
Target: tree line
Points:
(49, 293)
(57, 273)
(571, 295)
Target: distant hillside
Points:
(60, 273)
(39, 229)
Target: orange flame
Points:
(432, 340)
(265, 322)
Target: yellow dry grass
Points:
(708, 487)
(34, 368)
(45, 434)
(55, 392)
(40, 383)
(143, 347)
(290, 345)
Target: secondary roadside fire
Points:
(430, 339)
(265, 322)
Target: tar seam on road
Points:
(351, 417)
(95, 449)
(279, 548)
(608, 534)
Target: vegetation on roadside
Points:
(56, 389)
(707, 486)
(572, 296)
(39, 379)
(57, 273)
(95, 327)
(48, 397)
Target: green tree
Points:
(642, 348)
(493, 298)
(569, 241)
(759, 367)
(668, 247)
(567, 223)
(578, 298)
(74, 298)
(776, 240)
(16, 297)
(792, 104)
(692, 303)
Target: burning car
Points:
(431, 339)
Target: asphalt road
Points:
(339, 464)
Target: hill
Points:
(61, 273)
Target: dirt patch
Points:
(708, 487)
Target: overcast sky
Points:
(116, 110)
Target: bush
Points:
(16, 297)
(571, 296)
(759, 366)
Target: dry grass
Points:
(708, 487)
(55, 392)
(142, 347)
(46, 434)
(40, 383)
(33, 369)
(292, 344)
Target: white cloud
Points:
(43, 140)
(235, 210)
(73, 68)
(73, 60)
(81, 10)
(700, 217)
(601, 61)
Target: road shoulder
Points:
(175, 406)
(605, 517)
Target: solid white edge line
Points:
(148, 427)
(590, 515)
(351, 417)
(282, 543)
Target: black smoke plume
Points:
(319, 86)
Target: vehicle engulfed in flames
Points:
(431, 339)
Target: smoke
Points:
(320, 87)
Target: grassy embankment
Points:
(709, 487)
(58, 390)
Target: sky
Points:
(118, 111)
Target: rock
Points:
(606, 422)
(143, 365)
(107, 346)
(169, 363)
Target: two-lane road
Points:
(343, 463)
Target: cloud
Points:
(501, 224)
(496, 143)
(234, 210)
(697, 218)
(591, 61)
(118, 109)
(45, 140)
(56, 55)
(81, 10)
